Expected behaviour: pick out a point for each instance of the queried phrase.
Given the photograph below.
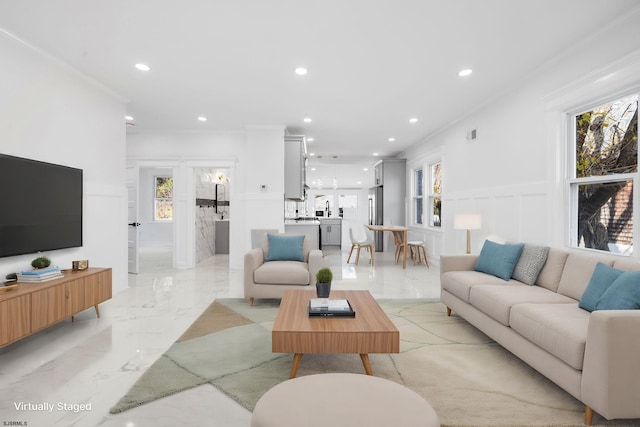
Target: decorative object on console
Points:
(41, 262)
(324, 276)
(40, 274)
(467, 222)
(80, 265)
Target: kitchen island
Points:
(308, 225)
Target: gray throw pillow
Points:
(530, 263)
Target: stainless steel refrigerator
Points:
(376, 215)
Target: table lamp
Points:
(467, 222)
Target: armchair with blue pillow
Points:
(285, 261)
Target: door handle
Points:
(134, 224)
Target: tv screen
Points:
(41, 206)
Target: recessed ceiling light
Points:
(375, 154)
(128, 117)
(359, 182)
(313, 169)
(143, 67)
(465, 72)
(301, 71)
(307, 120)
(312, 154)
(310, 139)
(413, 120)
(202, 118)
(392, 140)
(365, 169)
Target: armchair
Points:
(269, 279)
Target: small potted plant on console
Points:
(324, 276)
(41, 262)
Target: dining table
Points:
(394, 229)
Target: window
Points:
(605, 172)
(163, 200)
(417, 197)
(435, 194)
(432, 199)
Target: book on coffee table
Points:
(325, 307)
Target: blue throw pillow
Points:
(285, 248)
(623, 294)
(498, 260)
(601, 279)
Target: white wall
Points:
(51, 113)
(512, 175)
(253, 157)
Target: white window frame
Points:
(155, 198)
(428, 196)
(573, 182)
(417, 198)
(433, 195)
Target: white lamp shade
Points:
(467, 222)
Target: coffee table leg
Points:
(366, 363)
(294, 367)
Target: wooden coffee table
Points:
(370, 331)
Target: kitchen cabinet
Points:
(295, 167)
(331, 231)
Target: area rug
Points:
(467, 378)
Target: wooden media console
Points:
(32, 307)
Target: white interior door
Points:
(132, 217)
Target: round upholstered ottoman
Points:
(342, 400)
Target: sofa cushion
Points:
(603, 276)
(459, 283)
(623, 294)
(496, 301)
(626, 265)
(551, 272)
(560, 329)
(282, 273)
(577, 273)
(530, 263)
(497, 259)
(285, 248)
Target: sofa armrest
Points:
(316, 262)
(252, 260)
(611, 369)
(457, 263)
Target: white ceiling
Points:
(373, 64)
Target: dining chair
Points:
(359, 243)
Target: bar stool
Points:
(418, 249)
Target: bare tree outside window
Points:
(436, 193)
(606, 165)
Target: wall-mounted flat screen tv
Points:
(41, 207)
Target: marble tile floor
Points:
(72, 373)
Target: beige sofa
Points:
(593, 356)
(270, 279)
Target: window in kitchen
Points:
(324, 205)
(163, 198)
(604, 176)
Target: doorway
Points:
(155, 213)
